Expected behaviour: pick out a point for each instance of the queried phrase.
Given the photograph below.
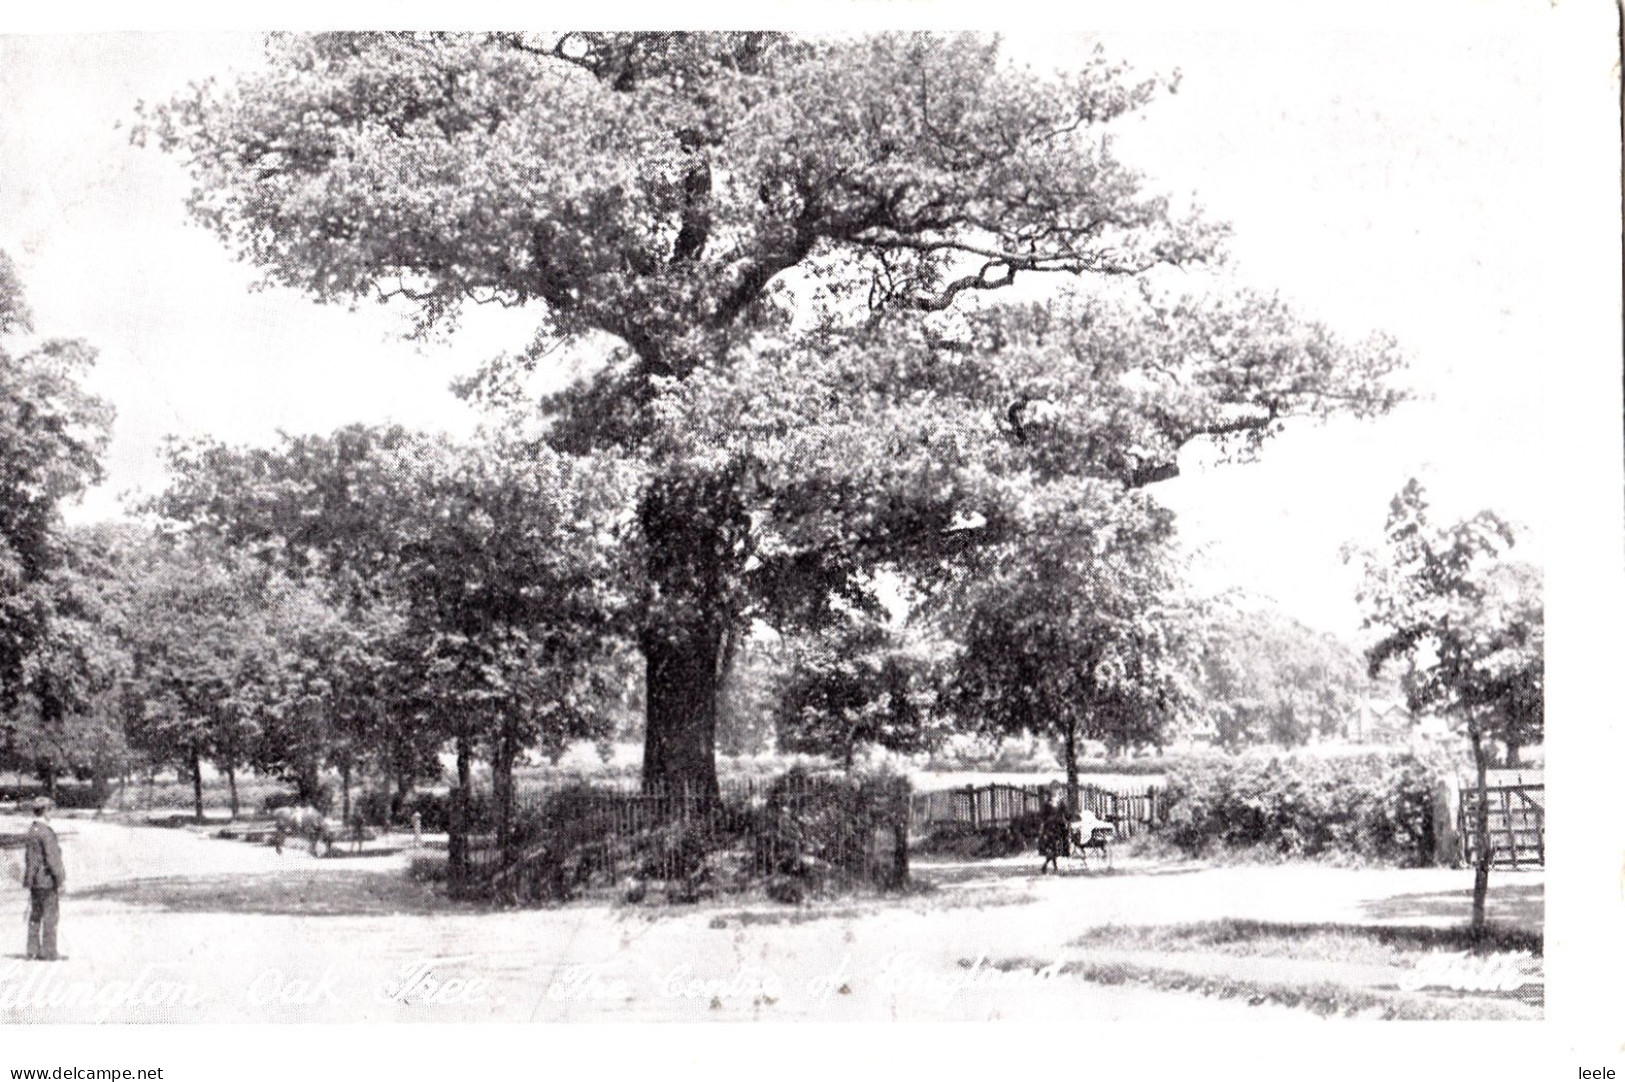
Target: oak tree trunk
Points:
(694, 530)
(680, 726)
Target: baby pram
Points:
(1059, 837)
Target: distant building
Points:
(1382, 722)
(1385, 722)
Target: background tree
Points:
(318, 687)
(663, 200)
(52, 434)
(1468, 630)
(858, 683)
(206, 630)
(499, 560)
(747, 698)
(69, 717)
(1086, 636)
(1268, 679)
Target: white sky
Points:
(1380, 180)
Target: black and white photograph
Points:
(899, 520)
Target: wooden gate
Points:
(1517, 825)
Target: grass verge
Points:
(1376, 944)
(1324, 998)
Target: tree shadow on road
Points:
(1520, 904)
(973, 872)
(340, 893)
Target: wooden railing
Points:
(996, 805)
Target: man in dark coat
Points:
(44, 878)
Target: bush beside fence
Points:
(1374, 807)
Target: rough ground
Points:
(166, 925)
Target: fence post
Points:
(1540, 832)
(1506, 819)
(970, 792)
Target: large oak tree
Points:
(766, 242)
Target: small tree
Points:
(856, 683)
(221, 661)
(1469, 630)
(1084, 636)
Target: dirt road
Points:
(163, 925)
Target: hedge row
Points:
(69, 794)
(1376, 807)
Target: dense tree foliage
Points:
(234, 664)
(775, 251)
(52, 432)
(1087, 637)
(497, 563)
(1268, 679)
(75, 692)
(1468, 629)
(858, 683)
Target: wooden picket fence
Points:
(1517, 824)
(604, 834)
(993, 806)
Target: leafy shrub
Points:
(276, 801)
(69, 795)
(963, 840)
(1374, 807)
(288, 798)
(435, 808)
(821, 828)
(375, 806)
(428, 869)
